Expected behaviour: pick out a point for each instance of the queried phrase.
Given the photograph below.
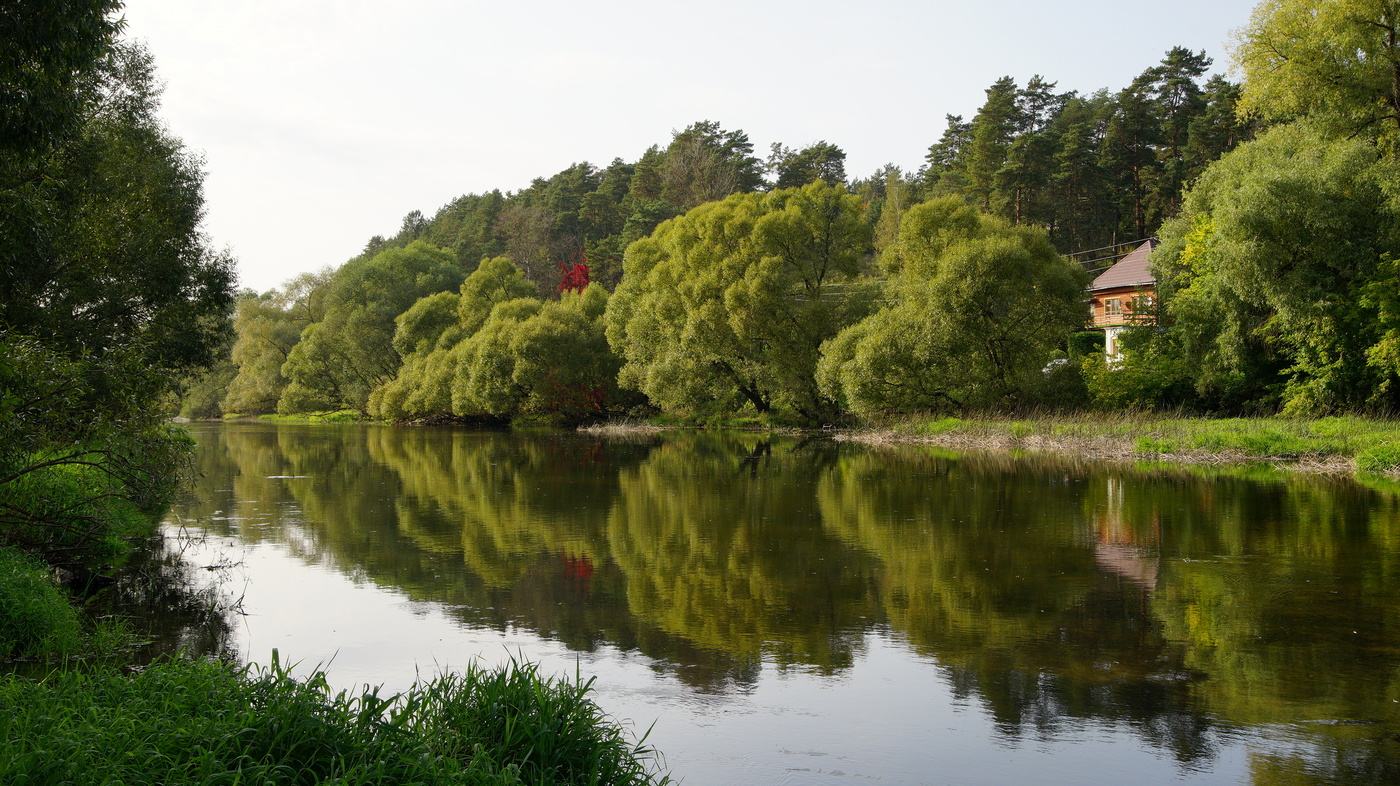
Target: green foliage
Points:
(267, 327)
(432, 331)
(484, 383)
(203, 393)
(1379, 459)
(336, 416)
(1091, 169)
(341, 359)
(705, 163)
(421, 327)
(936, 427)
(203, 722)
(728, 305)
(50, 47)
(562, 359)
(1268, 269)
(1084, 343)
(797, 168)
(1333, 60)
(75, 481)
(110, 297)
(1149, 373)
(981, 307)
(496, 353)
(495, 281)
(36, 619)
(101, 245)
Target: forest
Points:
(703, 282)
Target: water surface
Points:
(790, 610)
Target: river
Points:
(790, 610)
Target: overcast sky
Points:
(324, 122)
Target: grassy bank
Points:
(1340, 443)
(76, 715)
(201, 722)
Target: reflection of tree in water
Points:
(1355, 755)
(1284, 592)
(1243, 597)
(721, 541)
(1170, 601)
(989, 566)
(502, 502)
(169, 605)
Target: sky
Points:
(322, 123)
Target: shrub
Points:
(1085, 343)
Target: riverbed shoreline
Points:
(1338, 445)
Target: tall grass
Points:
(1372, 444)
(36, 619)
(201, 722)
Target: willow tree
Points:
(341, 359)
(979, 307)
(494, 351)
(1280, 274)
(427, 336)
(727, 306)
(1335, 61)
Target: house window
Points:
(1140, 309)
(1113, 307)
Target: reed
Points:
(1364, 444)
(202, 722)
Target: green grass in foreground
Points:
(36, 619)
(200, 722)
(1373, 445)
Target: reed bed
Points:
(202, 722)
(1335, 443)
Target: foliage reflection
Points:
(1187, 604)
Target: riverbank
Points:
(83, 706)
(1338, 444)
(1334, 444)
(198, 721)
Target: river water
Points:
(787, 610)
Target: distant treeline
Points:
(1090, 169)
(727, 286)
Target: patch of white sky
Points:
(324, 122)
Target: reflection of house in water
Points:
(1122, 548)
(1123, 296)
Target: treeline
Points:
(1279, 286)
(718, 278)
(1090, 169)
(729, 287)
(109, 295)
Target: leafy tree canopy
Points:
(979, 308)
(727, 305)
(1277, 267)
(50, 49)
(1335, 60)
(341, 359)
(100, 245)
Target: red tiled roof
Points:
(1131, 270)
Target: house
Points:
(1123, 296)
